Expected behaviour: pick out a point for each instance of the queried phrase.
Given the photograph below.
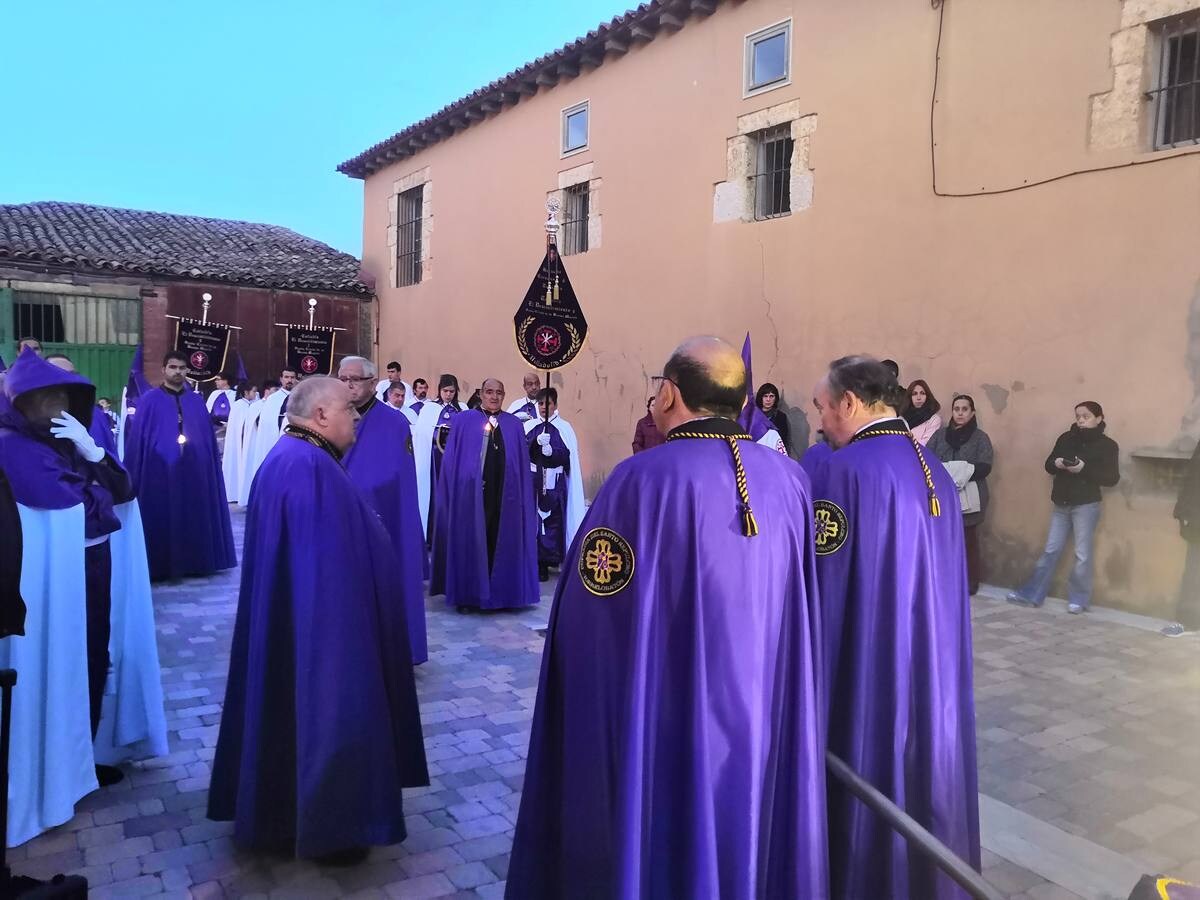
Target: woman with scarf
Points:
(1084, 460)
(922, 413)
(964, 442)
(767, 400)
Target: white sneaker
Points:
(1175, 629)
(1074, 609)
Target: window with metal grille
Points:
(1176, 92)
(773, 172)
(73, 319)
(576, 203)
(408, 238)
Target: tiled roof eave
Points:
(640, 25)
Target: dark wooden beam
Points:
(568, 69)
(703, 7)
(528, 87)
(591, 59)
(640, 32)
(547, 78)
(489, 105)
(473, 114)
(616, 45)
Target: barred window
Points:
(73, 319)
(576, 207)
(1176, 91)
(408, 239)
(773, 172)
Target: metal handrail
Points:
(912, 831)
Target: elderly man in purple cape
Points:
(320, 729)
(381, 463)
(677, 748)
(898, 639)
(485, 526)
(171, 454)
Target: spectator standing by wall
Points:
(922, 413)
(1187, 511)
(767, 400)
(1083, 461)
(963, 441)
(646, 435)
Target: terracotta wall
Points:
(1031, 300)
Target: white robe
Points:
(518, 403)
(232, 455)
(265, 435)
(576, 507)
(52, 758)
(249, 430)
(422, 450)
(773, 440)
(213, 395)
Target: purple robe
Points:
(181, 489)
(320, 729)
(461, 568)
(814, 456)
(220, 409)
(677, 748)
(380, 462)
(48, 473)
(551, 502)
(898, 655)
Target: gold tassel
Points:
(547, 291)
(555, 287)
(935, 506)
(749, 523)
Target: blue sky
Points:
(242, 109)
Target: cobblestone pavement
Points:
(1090, 726)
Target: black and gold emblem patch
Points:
(605, 562)
(832, 528)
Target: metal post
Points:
(207, 297)
(312, 310)
(912, 831)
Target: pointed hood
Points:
(752, 418)
(32, 373)
(137, 385)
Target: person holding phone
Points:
(1083, 461)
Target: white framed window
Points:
(768, 63)
(1175, 94)
(575, 128)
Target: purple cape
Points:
(814, 456)
(677, 748)
(460, 553)
(181, 490)
(381, 463)
(47, 472)
(898, 655)
(320, 729)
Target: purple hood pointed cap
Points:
(30, 373)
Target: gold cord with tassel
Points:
(749, 523)
(935, 505)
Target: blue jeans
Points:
(1065, 519)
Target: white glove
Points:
(68, 428)
(544, 442)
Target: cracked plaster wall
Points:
(1030, 301)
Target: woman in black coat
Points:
(767, 400)
(1187, 511)
(1083, 461)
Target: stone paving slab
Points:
(1085, 724)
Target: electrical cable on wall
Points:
(940, 6)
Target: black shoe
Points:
(543, 573)
(109, 775)
(351, 856)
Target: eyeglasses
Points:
(350, 379)
(657, 381)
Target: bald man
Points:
(485, 529)
(320, 729)
(677, 748)
(525, 407)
